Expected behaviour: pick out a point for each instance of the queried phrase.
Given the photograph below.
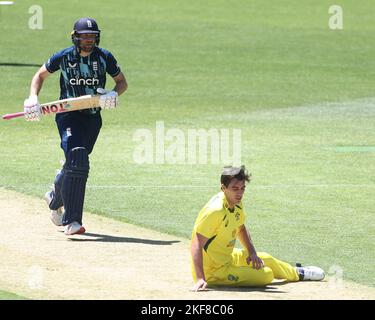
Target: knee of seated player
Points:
(251, 277)
(267, 276)
(267, 258)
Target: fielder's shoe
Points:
(310, 273)
(74, 228)
(56, 215)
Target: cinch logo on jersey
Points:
(84, 81)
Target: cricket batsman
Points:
(215, 261)
(83, 69)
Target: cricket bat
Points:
(60, 106)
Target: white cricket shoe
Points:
(56, 215)
(74, 228)
(310, 273)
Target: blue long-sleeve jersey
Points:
(82, 75)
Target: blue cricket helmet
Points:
(84, 26)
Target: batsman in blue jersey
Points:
(83, 68)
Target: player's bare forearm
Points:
(37, 81)
(36, 85)
(245, 239)
(197, 255)
(197, 245)
(121, 84)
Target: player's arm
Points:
(198, 243)
(121, 84)
(38, 79)
(109, 98)
(245, 239)
(31, 104)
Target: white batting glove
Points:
(108, 99)
(32, 108)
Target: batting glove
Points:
(108, 99)
(32, 108)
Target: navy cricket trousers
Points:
(78, 129)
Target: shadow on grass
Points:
(15, 64)
(272, 288)
(268, 289)
(108, 238)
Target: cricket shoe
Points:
(310, 273)
(56, 215)
(74, 228)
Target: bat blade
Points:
(60, 106)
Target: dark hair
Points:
(229, 173)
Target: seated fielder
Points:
(214, 259)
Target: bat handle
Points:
(13, 115)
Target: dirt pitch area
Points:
(115, 260)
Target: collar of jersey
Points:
(225, 203)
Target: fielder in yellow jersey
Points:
(215, 261)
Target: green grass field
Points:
(4, 295)
(302, 95)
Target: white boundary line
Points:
(254, 186)
(205, 186)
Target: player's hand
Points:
(32, 108)
(108, 99)
(200, 285)
(256, 261)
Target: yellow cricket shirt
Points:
(220, 226)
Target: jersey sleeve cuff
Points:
(48, 69)
(116, 73)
